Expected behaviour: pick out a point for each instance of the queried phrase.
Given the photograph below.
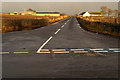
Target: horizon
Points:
(69, 8)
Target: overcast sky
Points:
(63, 7)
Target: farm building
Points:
(47, 14)
(96, 13)
(28, 13)
(92, 14)
(36, 13)
(14, 13)
(84, 14)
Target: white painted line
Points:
(68, 21)
(76, 49)
(4, 52)
(116, 51)
(44, 49)
(114, 48)
(80, 51)
(62, 52)
(44, 52)
(62, 26)
(20, 52)
(101, 54)
(44, 44)
(97, 49)
(57, 31)
(59, 50)
(65, 23)
(100, 51)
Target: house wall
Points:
(86, 14)
(96, 15)
(28, 13)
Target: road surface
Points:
(60, 50)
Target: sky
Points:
(70, 8)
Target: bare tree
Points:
(116, 13)
(119, 14)
(31, 10)
(104, 10)
(110, 12)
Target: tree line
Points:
(109, 12)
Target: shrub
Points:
(23, 24)
(101, 27)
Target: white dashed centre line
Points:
(62, 26)
(57, 31)
(49, 39)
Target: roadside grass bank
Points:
(111, 29)
(12, 23)
(23, 24)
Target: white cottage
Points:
(92, 14)
(85, 14)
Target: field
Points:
(101, 25)
(26, 22)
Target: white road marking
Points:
(44, 44)
(68, 21)
(4, 52)
(114, 48)
(101, 54)
(44, 49)
(62, 52)
(44, 52)
(100, 51)
(20, 52)
(76, 49)
(62, 26)
(116, 51)
(80, 51)
(59, 50)
(97, 49)
(57, 31)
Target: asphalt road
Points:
(60, 50)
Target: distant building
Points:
(47, 14)
(85, 14)
(14, 13)
(95, 13)
(28, 13)
(36, 13)
(92, 14)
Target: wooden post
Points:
(115, 20)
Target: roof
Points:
(82, 13)
(47, 12)
(95, 12)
